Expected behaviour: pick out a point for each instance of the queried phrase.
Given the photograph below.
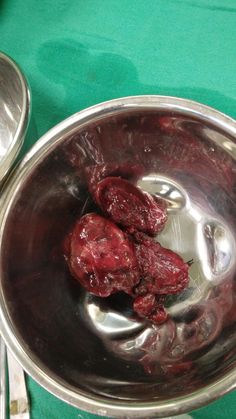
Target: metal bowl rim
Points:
(15, 147)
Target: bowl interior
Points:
(98, 346)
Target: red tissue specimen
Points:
(150, 307)
(102, 257)
(106, 259)
(128, 206)
(162, 270)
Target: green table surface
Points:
(76, 53)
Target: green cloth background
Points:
(76, 53)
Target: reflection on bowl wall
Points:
(15, 108)
(96, 353)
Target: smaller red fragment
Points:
(159, 316)
(144, 305)
(150, 307)
(128, 206)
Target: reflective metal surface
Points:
(14, 112)
(95, 353)
(3, 392)
(14, 121)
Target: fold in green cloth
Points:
(80, 52)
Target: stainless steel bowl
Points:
(14, 112)
(93, 353)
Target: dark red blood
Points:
(102, 258)
(177, 369)
(169, 124)
(144, 305)
(150, 307)
(159, 316)
(128, 206)
(162, 270)
(204, 161)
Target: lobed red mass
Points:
(162, 270)
(101, 257)
(119, 253)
